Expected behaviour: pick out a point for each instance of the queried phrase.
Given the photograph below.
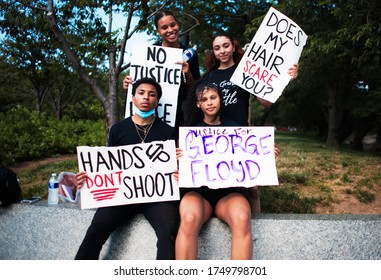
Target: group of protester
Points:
(177, 224)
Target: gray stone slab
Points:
(317, 237)
(43, 232)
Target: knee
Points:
(190, 221)
(242, 221)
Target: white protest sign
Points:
(128, 174)
(158, 63)
(220, 157)
(276, 46)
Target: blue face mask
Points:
(142, 114)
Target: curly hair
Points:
(195, 113)
(212, 63)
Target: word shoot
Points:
(128, 174)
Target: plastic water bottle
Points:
(187, 54)
(53, 189)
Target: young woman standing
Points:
(168, 28)
(221, 62)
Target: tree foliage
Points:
(341, 56)
(47, 43)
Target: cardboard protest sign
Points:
(158, 63)
(276, 46)
(220, 157)
(128, 174)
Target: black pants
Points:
(163, 217)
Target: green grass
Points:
(34, 178)
(311, 176)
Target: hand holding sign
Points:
(127, 174)
(220, 157)
(275, 48)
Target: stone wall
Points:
(42, 232)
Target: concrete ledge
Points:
(42, 232)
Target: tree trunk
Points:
(362, 127)
(333, 122)
(110, 104)
(38, 102)
(377, 146)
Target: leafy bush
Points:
(28, 135)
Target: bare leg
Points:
(194, 212)
(234, 210)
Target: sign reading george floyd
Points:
(160, 64)
(276, 46)
(128, 174)
(220, 157)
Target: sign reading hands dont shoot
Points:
(276, 46)
(128, 174)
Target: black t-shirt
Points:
(235, 99)
(124, 133)
(224, 122)
(195, 70)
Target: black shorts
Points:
(214, 195)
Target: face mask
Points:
(142, 114)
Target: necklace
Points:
(143, 129)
